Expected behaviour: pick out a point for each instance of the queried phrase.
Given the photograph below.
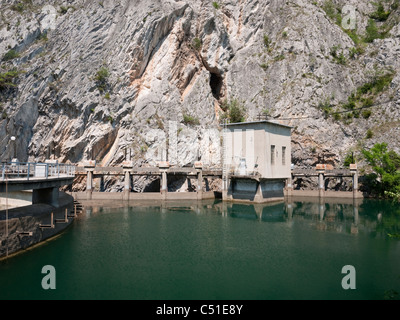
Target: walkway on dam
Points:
(44, 179)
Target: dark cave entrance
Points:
(216, 82)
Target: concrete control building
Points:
(256, 161)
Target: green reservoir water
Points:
(212, 250)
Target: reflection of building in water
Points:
(257, 161)
(262, 212)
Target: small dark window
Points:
(272, 155)
(283, 156)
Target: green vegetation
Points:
(349, 159)
(266, 112)
(10, 55)
(360, 101)
(197, 43)
(234, 111)
(7, 79)
(355, 51)
(20, 6)
(372, 32)
(325, 106)
(267, 42)
(63, 10)
(366, 114)
(144, 148)
(365, 95)
(190, 120)
(279, 57)
(332, 11)
(101, 79)
(369, 134)
(338, 58)
(384, 181)
(378, 83)
(380, 14)
(216, 5)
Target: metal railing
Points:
(31, 170)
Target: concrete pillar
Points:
(289, 186)
(321, 183)
(127, 167)
(127, 181)
(89, 185)
(48, 196)
(355, 181)
(89, 181)
(354, 172)
(224, 188)
(164, 166)
(321, 179)
(89, 167)
(199, 168)
(127, 185)
(227, 190)
(259, 196)
(200, 185)
(164, 184)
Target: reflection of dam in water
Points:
(269, 213)
(337, 215)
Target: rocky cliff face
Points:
(108, 80)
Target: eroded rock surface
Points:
(168, 66)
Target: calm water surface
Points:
(211, 250)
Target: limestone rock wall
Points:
(168, 66)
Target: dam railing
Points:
(34, 170)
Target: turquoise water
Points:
(210, 250)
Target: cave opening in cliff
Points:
(216, 82)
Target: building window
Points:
(284, 156)
(272, 155)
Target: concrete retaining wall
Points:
(324, 194)
(132, 196)
(29, 219)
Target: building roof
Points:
(261, 121)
